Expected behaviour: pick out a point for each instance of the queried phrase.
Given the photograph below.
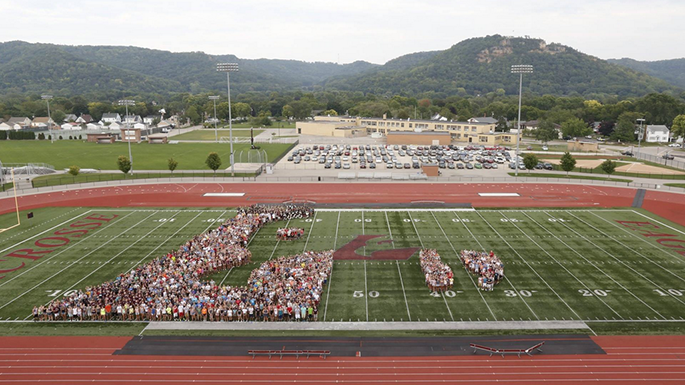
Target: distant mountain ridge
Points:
(473, 66)
(671, 71)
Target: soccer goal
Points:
(4, 180)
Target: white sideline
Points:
(223, 194)
(355, 326)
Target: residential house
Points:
(111, 118)
(18, 123)
(150, 118)
(69, 118)
(5, 127)
(132, 119)
(115, 126)
(140, 126)
(71, 126)
(84, 119)
(657, 134)
(93, 126)
(42, 122)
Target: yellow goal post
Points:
(16, 201)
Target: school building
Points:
(472, 131)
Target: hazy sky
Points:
(349, 30)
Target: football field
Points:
(600, 265)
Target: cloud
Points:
(375, 31)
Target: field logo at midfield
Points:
(349, 251)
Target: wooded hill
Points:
(471, 67)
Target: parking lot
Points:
(450, 159)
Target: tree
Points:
(568, 163)
(193, 115)
(530, 161)
(546, 131)
(58, 116)
(172, 164)
(240, 110)
(213, 161)
(330, 112)
(74, 170)
(606, 127)
(608, 166)
(678, 127)
(287, 111)
(123, 164)
(575, 128)
(624, 130)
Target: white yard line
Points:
(75, 262)
(505, 276)
(564, 267)
(330, 278)
(421, 241)
(225, 276)
(619, 260)
(531, 267)
(467, 273)
(398, 266)
(403, 291)
(5, 239)
(633, 235)
(310, 233)
(43, 260)
(45, 231)
(393, 210)
(366, 288)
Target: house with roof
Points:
(5, 127)
(111, 118)
(115, 126)
(132, 119)
(42, 122)
(93, 126)
(71, 126)
(18, 123)
(84, 119)
(150, 119)
(484, 119)
(657, 134)
(69, 118)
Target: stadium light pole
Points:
(47, 99)
(520, 69)
(126, 102)
(228, 68)
(639, 138)
(216, 135)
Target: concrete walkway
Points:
(376, 326)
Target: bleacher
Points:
(296, 353)
(518, 352)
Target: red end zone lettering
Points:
(55, 241)
(638, 224)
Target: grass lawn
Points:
(563, 264)
(598, 170)
(564, 176)
(273, 125)
(538, 147)
(208, 134)
(65, 153)
(681, 185)
(62, 179)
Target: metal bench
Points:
(529, 351)
(296, 353)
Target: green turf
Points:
(62, 179)
(273, 125)
(681, 185)
(560, 264)
(208, 134)
(65, 153)
(564, 176)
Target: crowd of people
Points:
(487, 266)
(438, 275)
(171, 287)
(289, 234)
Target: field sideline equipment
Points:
(16, 202)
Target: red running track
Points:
(71, 360)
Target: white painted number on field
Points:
(365, 220)
(676, 292)
(590, 293)
(460, 220)
(311, 220)
(360, 294)
(165, 220)
(55, 293)
(522, 293)
(212, 220)
(557, 220)
(448, 293)
(415, 220)
(509, 220)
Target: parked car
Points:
(327, 165)
(627, 153)
(545, 148)
(372, 165)
(668, 156)
(548, 166)
(676, 145)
